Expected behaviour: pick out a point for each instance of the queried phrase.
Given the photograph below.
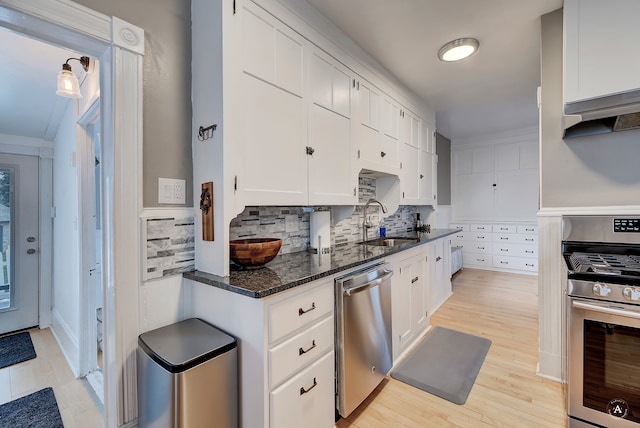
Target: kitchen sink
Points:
(389, 242)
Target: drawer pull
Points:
(528, 230)
(304, 391)
(527, 264)
(528, 251)
(506, 250)
(480, 248)
(414, 280)
(504, 263)
(304, 351)
(480, 228)
(480, 260)
(504, 228)
(504, 239)
(302, 311)
(528, 239)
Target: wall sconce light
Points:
(68, 85)
(458, 49)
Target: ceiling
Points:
(489, 92)
(28, 100)
(492, 91)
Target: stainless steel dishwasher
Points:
(363, 334)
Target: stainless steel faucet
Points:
(366, 225)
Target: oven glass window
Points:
(612, 369)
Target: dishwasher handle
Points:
(367, 285)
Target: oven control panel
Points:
(626, 225)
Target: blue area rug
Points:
(15, 349)
(37, 410)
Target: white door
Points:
(19, 272)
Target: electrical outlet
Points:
(171, 191)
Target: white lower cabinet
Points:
(286, 359)
(307, 399)
(509, 246)
(420, 284)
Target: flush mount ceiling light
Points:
(68, 85)
(458, 49)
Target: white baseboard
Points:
(69, 344)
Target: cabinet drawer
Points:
(504, 228)
(480, 227)
(515, 238)
(307, 399)
(528, 229)
(516, 250)
(518, 263)
(295, 312)
(480, 236)
(461, 236)
(464, 227)
(474, 259)
(477, 247)
(295, 353)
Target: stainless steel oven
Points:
(602, 254)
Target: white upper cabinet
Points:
(366, 129)
(599, 37)
(332, 180)
(495, 182)
(274, 170)
(428, 165)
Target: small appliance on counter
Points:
(320, 232)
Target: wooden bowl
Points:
(254, 253)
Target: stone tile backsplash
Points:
(170, 246)
(291, 224)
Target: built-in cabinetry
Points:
(421, 283)
(298, 117)
(418, 160)
(596, 48)
(287, 351)
(505, 246)
(495, 182)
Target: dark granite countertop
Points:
(290, 270)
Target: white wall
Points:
(162, 302)
(66, 244)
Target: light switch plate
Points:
(171, 191)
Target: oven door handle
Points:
(606, 310)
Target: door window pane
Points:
(6, 289)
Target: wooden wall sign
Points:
(206, 205)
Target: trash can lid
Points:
(185, 344)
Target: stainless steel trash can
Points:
(187, 377)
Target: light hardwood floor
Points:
(507, 393)
(50, 368)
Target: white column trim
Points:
(79, 28)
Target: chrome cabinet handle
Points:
(302, 311)
(31, 251)
(304, 391)
(438, 258)
(414, 280)
(382, 154)
(304, 351)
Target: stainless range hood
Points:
(612, 113)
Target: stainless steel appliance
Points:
(363, 334)
(602, 254)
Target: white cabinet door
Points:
(271, 51)
(598, 36)
(390, 118)
(410, 179)
(274, 161)
(473, 178)
(401, 306)
(427, 177)
(418, 299)
(440, 273)
(517, 181)
(367, 121)
(331, 178)
(273, 169)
